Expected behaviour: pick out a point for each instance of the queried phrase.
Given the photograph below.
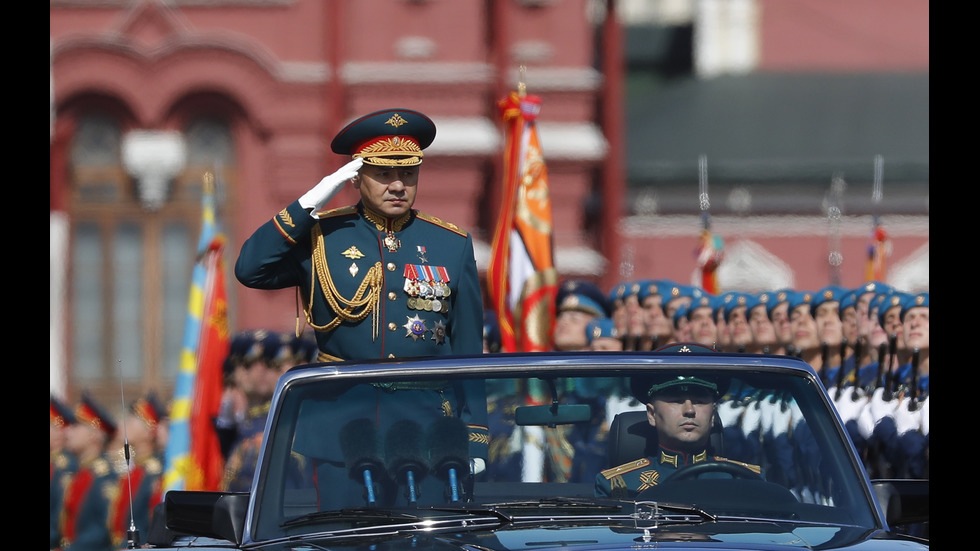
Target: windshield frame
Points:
(267, 497)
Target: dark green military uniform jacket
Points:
(629, 479)
(373, 287)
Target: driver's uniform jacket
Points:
(631, 478)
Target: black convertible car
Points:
(520, 451)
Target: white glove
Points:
(322, 193)
(924, 414)
(752, 417)
(767, 407)
(782, 416)
(850, 403)
(865, 421)
(881, 408)
(730, 412)
(906, 420)
(477, 465)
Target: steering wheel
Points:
(734, 469)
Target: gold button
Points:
(392, 326)
(392, 295)
(391, 266)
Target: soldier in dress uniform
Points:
(141, 481)
(825, 309)
(83, 524)
(778, 310)
(378, 279)
(761, 327)
(63, 462)
(659, 326)
(692, 400)
(257, 374)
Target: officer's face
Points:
(388, 190)
(683, 418)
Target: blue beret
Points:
(830, 293)
(876, 287)
(722, 300)
(618, 292)
(577, 294)
(704, 301)
(799, 298)
(737, 299)
(757, 299)
(600, 327)
(914, 301)
(849, 300)
(776, 298)
(391, 137)
(650, 287)
(889, 301)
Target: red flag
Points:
(521, 279)
(710, 252)
(205, 453)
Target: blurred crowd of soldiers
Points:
(869, 345)
(103, 492)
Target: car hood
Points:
(560, 537)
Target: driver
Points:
(682, 411)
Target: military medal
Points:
(421, 250)
(415, 328)
(392, 243)
(439, 332)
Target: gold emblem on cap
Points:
(396, 120)
(353, 253)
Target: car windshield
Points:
(509, 440)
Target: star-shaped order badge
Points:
(439, 332)
(415, 328)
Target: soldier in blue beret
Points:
(83, 523)
(806, 342)
(778, 311)
(701, 321)
(825, 309)
(724, 334)
(692, 400)
(737, 322)
(761, 327)
(577, 302)
(659, 328)
(378, 279)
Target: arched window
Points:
(130, 263)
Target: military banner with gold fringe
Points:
(193, 454)
(522, 281)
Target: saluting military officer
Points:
(379, 278)
(682, 410)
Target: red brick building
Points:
(147, 96)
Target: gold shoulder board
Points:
(342, 211)
(442, 223)
(754, 468)
(625, 468)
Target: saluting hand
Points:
(329, 186)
